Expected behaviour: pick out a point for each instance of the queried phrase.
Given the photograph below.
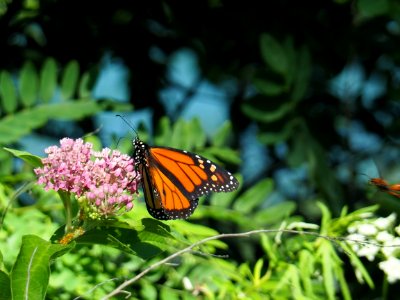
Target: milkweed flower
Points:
(375, 239)
(104, 182)
(391, 267)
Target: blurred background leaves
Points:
(299, 99)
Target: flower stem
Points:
(66, 199)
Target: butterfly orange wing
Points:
(383, 186)
(174, 179)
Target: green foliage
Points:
(33, 160)
(255, 196)
(48, 80)
(293, 266)
(289, 80)
(36, 94)
(370, 9)
(8, 93)
(30, 274)
(274, 54)
(146, 239)
(282, 74)
(136, 242)
(190, 136)
(69, 80)
(28, 84)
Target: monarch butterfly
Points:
(173, 179)
(383, 186)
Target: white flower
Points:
(367, 229)
(391, 268)
(369, 251)
(187, 284)
(385, 223)
(352, 228)
(384, 236)
(354, 240)
(391, 247)
(397, 230)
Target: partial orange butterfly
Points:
(174, 179)
(384, 186)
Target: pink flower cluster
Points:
(106, 180)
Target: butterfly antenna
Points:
(365, 175)
(128, 123)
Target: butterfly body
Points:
(174, 179)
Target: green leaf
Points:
(284, 133)
(29, 84)
(180, 136)
(290, 277)
(187, 135)
(188, 233)
(191, 229)
(6, 166)
(146, 240)
(254, 196)
(196, 134)
(326, 218)
(8, 92)
(222, 154)
(275, 213)
(257, 271)
(13, 127)
(86, 84)
(33, 160)
(148, 290)
(69, 110)
(358, 265)
(164, 131)
(48, 80)
(344, 287)
(30, 274)
(262, 110)
(5, 287)
(302, 75)
(69, 80)
(269, 88)
(221, 136)
(291, 57)
(166, 293)
(269, 249)
(274, 54)
(306, 265)
(325, 253)
(372, 8)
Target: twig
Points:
(95, 287)
(18, 192)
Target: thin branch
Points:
(95, 287)
(26, 186)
